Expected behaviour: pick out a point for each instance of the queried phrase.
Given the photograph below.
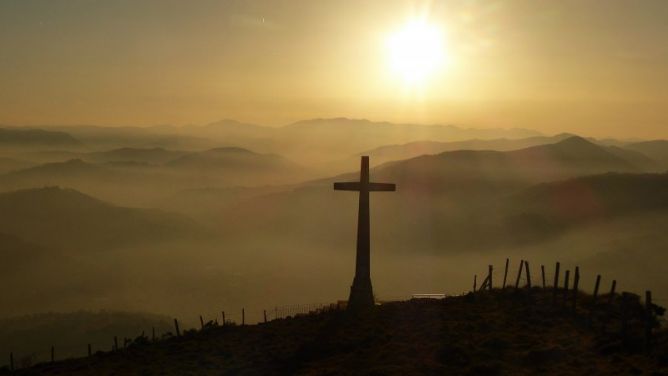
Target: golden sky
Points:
(590, 67)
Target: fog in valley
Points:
(165, 221)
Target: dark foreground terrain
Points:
(504, 332)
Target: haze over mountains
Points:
(186, 220)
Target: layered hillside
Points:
(36, 138)
(67, 219)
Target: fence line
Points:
(554, 277)
(651, 312)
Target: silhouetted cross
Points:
(361, 292)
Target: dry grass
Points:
(499, 333)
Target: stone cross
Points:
(361, 292)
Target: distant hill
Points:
(70, 220)
(73, 168)
(144, 155)
(573, 155)
(468, 171)
(136, 177)
(238, 166)
(230, 158)
(110, 137)
(589, 198)
(11, 164)
(308, 142)
(326, 140)
(656, 150)
(461, 199)
(233, 129)
(76, 173)
(18, 253)
(127, 183)
(30, 337)
(36, 138)
(413, 149)
(354, 127)
(206, 204)
(495, 333)
(409, 150)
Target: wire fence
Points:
(509, 275)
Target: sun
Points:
(416, 52)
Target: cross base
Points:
(361, 295)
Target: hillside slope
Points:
(28, 137)
(502, 333)
(414, 149)
(30, 337)
(67, 219)
(491, 173)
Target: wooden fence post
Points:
(483, 285)
(593, 300)
(519, 274)
(649, 318)
(489, 272)
(265, 316)
(115, 343)
(526, 267)
(612, 291)
(11, 361)
(53, 354)
(243, 316)
(505, 273)
(576, 282)
(596, 286)
(90, 351)
(542, 274)
(223, 318)
(556, 283)
(201, 321)
(176, 327)
(475, 282)
(566, 282)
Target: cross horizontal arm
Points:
(371, 187)
(382, 187)
(347, 186)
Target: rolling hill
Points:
(567, 204)
(465, 172)
(138, 177)
(69, 220)
(237, 166)
(327, 140)
(155, 155)
(11, 164)
(655, 149)
(409, 150)
(44, 173)
(20, 138)
(463, 199)
(17, 254)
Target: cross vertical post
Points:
(361, 291)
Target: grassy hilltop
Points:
(503, 332)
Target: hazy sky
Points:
(592, 67)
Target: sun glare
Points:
(416, 51)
